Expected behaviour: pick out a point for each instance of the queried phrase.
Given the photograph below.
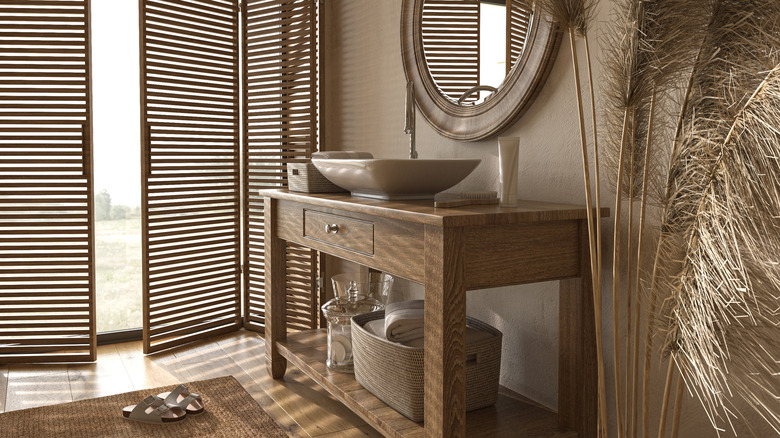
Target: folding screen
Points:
(47, 310)
(280, 126)
(190, 153)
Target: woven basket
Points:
(304, 177)
(394, 373)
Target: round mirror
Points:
(476, 65)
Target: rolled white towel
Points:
(329, 155)
(404, 321)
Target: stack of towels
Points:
(403, 323)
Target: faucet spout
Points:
(409, 120)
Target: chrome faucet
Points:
(409, 119)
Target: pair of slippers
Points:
(167, 407)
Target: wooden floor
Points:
(298, 404)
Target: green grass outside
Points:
(118, 274)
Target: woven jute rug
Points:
(230, 412)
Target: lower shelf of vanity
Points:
(512, 415)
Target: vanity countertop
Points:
(424, 212)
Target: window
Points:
(117, 169)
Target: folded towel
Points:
(403, 305)
(377, 328)
(404, 321)
(327, 155)
(416, 343)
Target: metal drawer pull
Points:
(331, 228)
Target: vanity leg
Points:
(275, 292)
(577, 364)
(445, 332)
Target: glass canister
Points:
(353, 298)
(376, 285)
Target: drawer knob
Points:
(331, 228)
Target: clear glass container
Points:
(338, 312)
(372, 284)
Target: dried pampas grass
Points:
(644, 52)
(713, 287)
(716, 274)
(720, 287)
(723, 320)
(573, 14)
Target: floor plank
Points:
(107, 376)
(147, 371)
(30, 386)
(310, 405)
(206, 359)
(355, 432)
(3, 386)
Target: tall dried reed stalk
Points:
(575, 16)
(644, 59)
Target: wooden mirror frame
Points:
(504, 107)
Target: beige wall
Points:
(363, 109)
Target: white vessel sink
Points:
(395, 179)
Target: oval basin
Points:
(395, 179)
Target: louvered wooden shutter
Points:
(47, 296)
(450, 34)
(280, 126)
(190, 154)
(518, 20)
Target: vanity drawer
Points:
(344, 232)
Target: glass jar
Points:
(338, 313)
(372, 284)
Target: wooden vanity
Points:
(449, 251)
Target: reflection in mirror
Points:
(492, 43)
(470, 46)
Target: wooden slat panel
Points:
(46, 224)
(280, 126)
(450, 34)
(518, 20)
(190, 155)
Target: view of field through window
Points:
(117, 163)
